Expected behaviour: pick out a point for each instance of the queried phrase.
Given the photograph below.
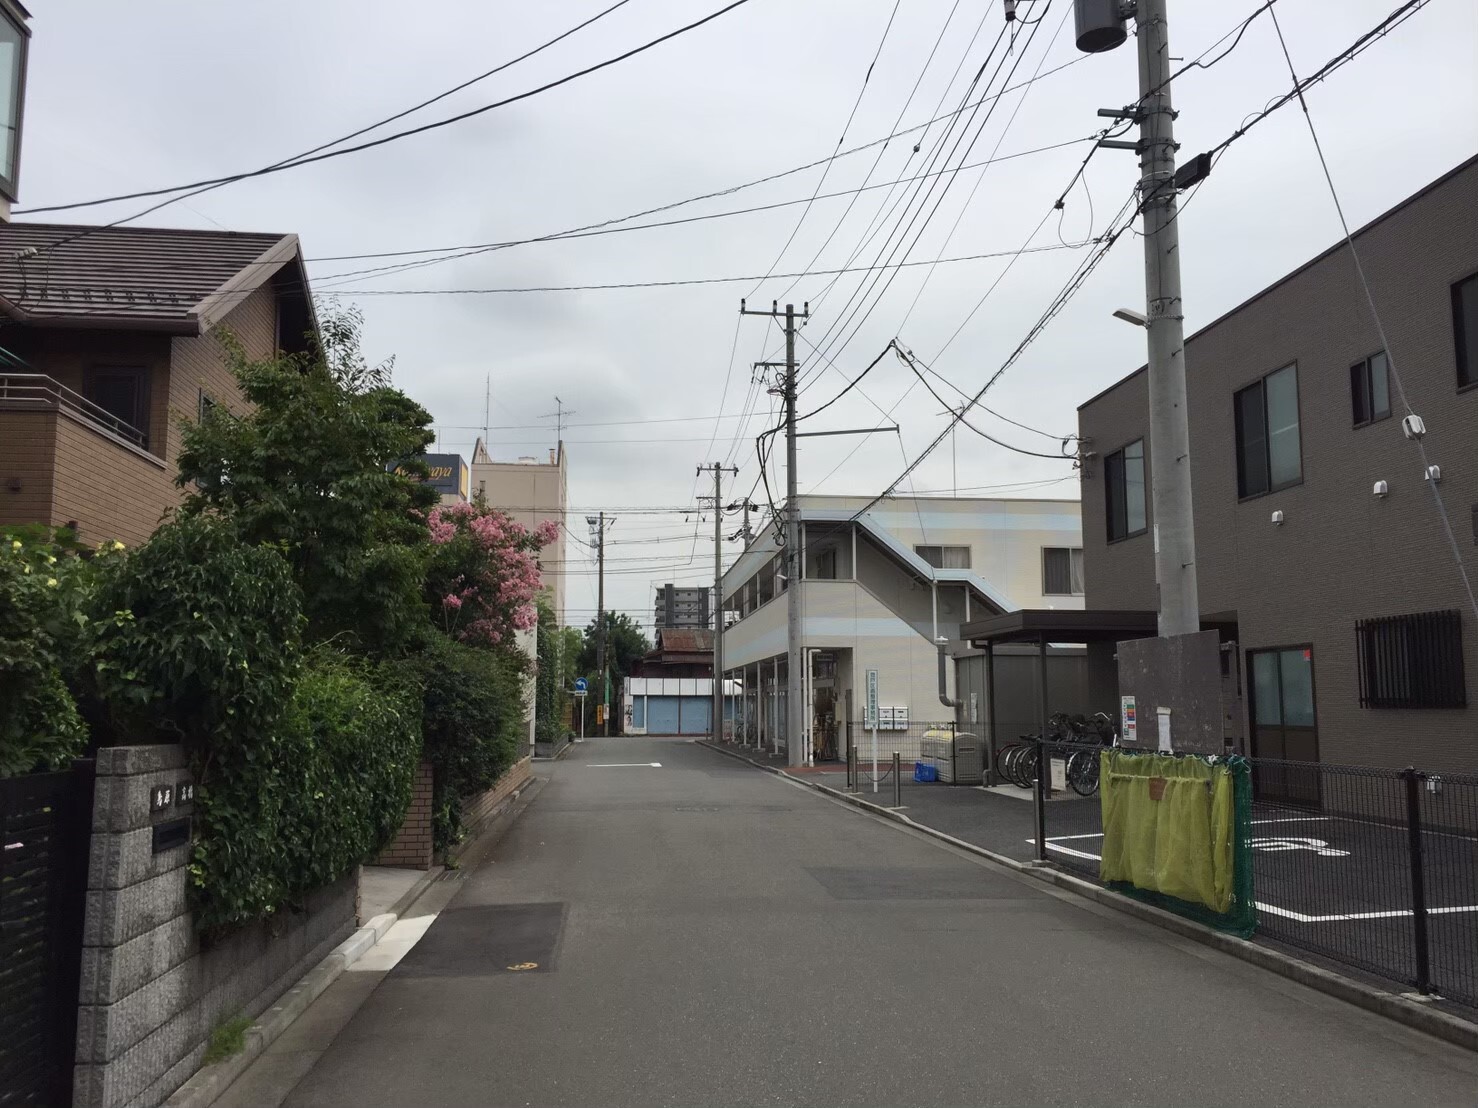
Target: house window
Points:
(1413, 661)
(945, 557)
(1123, 473)
(1062, 570)
(207, 402)
(120, 399)
(1268, 453)
(1465, 329)
(1370, 389)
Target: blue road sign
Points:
(582, 685)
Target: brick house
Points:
(106, 344)
(1320, 550)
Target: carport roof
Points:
(1060, 625)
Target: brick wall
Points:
(412, 845)
(150, 995)
(477, 810)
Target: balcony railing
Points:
(21, 391)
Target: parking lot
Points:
(1339, 886)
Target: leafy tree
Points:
(472, 721)
(193, 638)
(625, 642)
(483, 574)
(308, 471)
(551, 681)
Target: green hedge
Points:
(473, 722)
(43, 586)
(299, 808)
(303, 769)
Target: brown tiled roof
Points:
(684, 640)
(148, 277)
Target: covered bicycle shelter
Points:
(1099, 630)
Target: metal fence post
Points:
(1039, 800)
(897, 783)
(1413, 778)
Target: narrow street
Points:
(701, 932)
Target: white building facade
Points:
(879, 587)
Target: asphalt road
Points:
(704, 933)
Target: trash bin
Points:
(959, 757)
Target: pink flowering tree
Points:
(484, 573)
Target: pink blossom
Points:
(451, 600)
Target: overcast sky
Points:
(158, 92)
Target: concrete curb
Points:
(209, 1082)
(1412, 1013)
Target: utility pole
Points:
(796, 741)
(1100, 27)
(718, 595)
(1170, 438)
(598, 522)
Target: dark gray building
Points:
(1319, 542)
(682, 607)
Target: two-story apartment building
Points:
(106, 345)
(877, 592)
(1318, 535)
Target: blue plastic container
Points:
(925, 773)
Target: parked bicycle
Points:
(1017, 762)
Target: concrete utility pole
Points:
(1100, 27)
(1170, 438)
(717, 470)
(599, 523)
(795, 713)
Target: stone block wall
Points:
(151, 993)
(412, 846)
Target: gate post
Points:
(1413, 778)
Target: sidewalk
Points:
(999, 819)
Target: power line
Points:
(826, 169)
(884, 148)
(456, 253)
(1086, 267)
(280, 167)
(1380, 326)
(285, 162)
(694, 280)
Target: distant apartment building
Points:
(1321, 552)
(107, 348)
(880, 584)
(682, 607)
(532, 491)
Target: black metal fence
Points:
(45, 828)
(1376, 869)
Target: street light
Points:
(1129, 315)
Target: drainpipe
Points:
(944, 698)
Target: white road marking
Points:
(1286, 913)
(1345, 917)
(618, 765)
(1295, 819)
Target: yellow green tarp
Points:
(1171, 827)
